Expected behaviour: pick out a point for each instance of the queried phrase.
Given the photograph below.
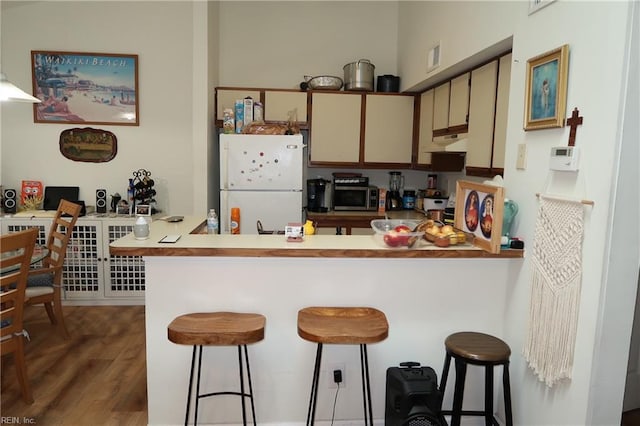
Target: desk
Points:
(39, 253)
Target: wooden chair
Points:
(16, 249)
(44, 285)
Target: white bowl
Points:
(387, 235)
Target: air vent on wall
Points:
(433, 58)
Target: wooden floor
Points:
(96, 377)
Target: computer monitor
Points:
(53, 195)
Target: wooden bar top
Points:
(245, 245)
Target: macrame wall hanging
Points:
(555, 288)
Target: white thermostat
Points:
(564, 158)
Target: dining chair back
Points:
(16, 249)
(44, 285)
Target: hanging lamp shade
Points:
(11, 93)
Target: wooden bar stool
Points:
(346, 326)
(483, 350)
(218, 329)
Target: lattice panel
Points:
(81, 273)
(126, 273)
(42, 233)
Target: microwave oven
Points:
(354, 195)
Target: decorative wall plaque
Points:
(88, 145)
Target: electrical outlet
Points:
(521, 160)
(336, 366)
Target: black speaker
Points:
(413, 397)
(9, 201)
(101, 200)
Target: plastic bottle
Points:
(235, 220)
(212, 222)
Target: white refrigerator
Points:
(262, 175)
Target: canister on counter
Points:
(420, 199)
(409, 199)
(432, 181)
(258, 112)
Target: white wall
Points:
(598, 60)
(277, 43)
(160, 33)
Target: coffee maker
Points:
(318, 195)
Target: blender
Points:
(394, 197)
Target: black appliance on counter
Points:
(318, 195)
(413, 397)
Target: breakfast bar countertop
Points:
(193, 243)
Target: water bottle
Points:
(212, 222)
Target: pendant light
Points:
(11, 93)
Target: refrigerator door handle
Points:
(224, 165)
(224, 212)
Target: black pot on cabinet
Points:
(388, 83)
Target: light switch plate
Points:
(521, 160)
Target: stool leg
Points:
(311, 414)
(242, 394)
(246, 361)
(458, 393)
(507, 394)
(195, 419)
(488, 395)
(445, 373)
(193, 362)
(364, 363)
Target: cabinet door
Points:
(226, 98)
(459, 101)
(335, 128)
(425, 141)
(277, 105)
(124, 275)
(502, 107)
(388, 136)
(441, 106)
(481, 116)
(82, 276)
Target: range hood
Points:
(452, 143)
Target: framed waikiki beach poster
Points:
(85, 88)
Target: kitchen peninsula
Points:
(426, 294)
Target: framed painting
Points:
(536, 5)
(85, 88)
(479, 211)
(546, 89)
(143, 210)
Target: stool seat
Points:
(477, 347)
(217, 329)
(342, 325)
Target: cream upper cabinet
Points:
(451, 104)
(459, 102)
(425, 141)
(335, 127)
(388, 135)
(277, 105)
(226, 98)
(481, 115)
(441, 106)
(502, 109)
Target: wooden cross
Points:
(574, 122)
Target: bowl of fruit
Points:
(396, 233)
